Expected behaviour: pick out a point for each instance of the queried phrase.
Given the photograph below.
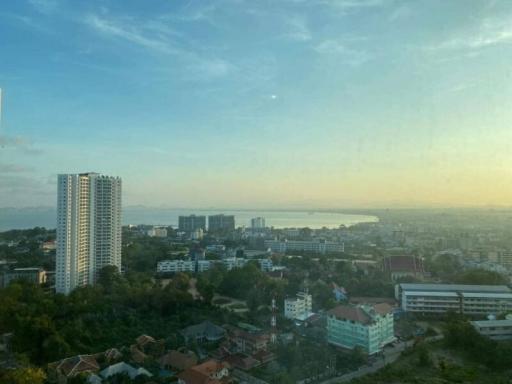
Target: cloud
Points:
(298, 29)
(339, 48)
(44, 6)
(211, 68)
(401, 12)
(159, 37)
(346, 6)
(491, 32)
(19, 143)
(128, 33)
(13, 168)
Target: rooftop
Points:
(492, 323)
(456, 288)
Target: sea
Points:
(22, 218)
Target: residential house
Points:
(177, 360)
(123, 368)
(70, 367)
(209, 372)
(203, 332)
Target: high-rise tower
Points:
(88, 228)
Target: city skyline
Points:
(235, 104)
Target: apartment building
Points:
(364, 326)
(299, 307)
(474, 300)
(88, 228)
(221, 223)
(191, 223)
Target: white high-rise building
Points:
(88, 228)
(258, 223)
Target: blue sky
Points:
(282, 103)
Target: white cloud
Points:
(298, 29)
(44, 6)
(401, 12)
(129, 33)
(491, 32)
(339, 48)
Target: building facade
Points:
(494, 329)
(299, 307)
(88, 228)
(34, 275)
(367, 327)
(314, 246)
(221, 223)
(258, 223)
(157, 232)
(174, 266)
(474, 300)
(191, 223)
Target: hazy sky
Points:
(277, 103)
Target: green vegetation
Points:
(27, 252)
(433, 364)
(48, 327)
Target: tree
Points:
(23, 376)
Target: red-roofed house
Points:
(404, 266)
(209, 372)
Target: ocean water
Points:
(11, 218)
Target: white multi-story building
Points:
(88, 228)
(494, 329)
(173, 266)
(314, 246)
(203, 265)
(475, 300)
(266, 265)
(197, 234)
(364, 326)
(234, 262)
(299, 307)
(157, 232)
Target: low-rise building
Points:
(209, 372)
(398, 267)
(173, 266)
(494, 329)
(475, 300)
(299, 307)
(36, 275)
(203, 332)
(157, 232)
(124, 369)
(367, 327)
(313, 246)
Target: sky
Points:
(259, 104)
